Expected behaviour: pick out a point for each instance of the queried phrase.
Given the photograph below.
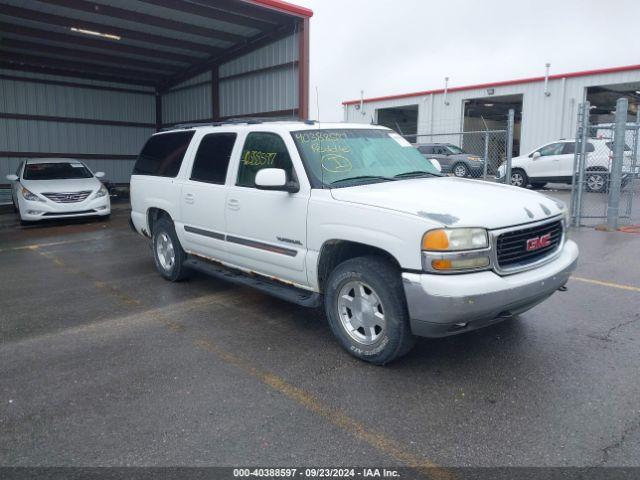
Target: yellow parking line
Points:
(333, 415)
(36, 246)
(620, 286)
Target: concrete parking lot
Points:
(102, 362)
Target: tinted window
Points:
(263, 150)
(162, 154)
(569, 148)
(56, 171)
(553, 149)
(590, 147)
(610, 145)
(455, 150)
(212, 158)
(440, 150)
(426, 150)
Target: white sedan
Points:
(58, 188)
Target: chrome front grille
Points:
(68, 197)
(519, 248)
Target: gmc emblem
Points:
(538, 242)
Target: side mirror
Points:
(536, 155)
(99, 174)
(275, 179)
(12, 177)
(436, 164)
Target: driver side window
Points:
(552, 149)
(263, 150)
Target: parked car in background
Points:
(57, 188)
(554, 163)
(453, 159)
(350, 217)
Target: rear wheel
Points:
(167, 252)
(366, 309)
(460, 170)
(596, 181)
(519, 178)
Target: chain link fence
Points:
(476, 154)
(606, 180)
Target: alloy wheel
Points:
(165, 251)
(361, 312)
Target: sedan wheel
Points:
(361, 312)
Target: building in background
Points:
(93, 82)
(545, 107)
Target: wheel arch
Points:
(153, 215)
(335, 251)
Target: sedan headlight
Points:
(28, 195)
(455, 250)
(101, 192)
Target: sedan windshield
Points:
(345, 157)
(56, 171)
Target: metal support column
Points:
(579, 162)
(510, 126)
(615, 178)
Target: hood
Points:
(61, 186)
(455, 202)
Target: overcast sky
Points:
(385, 47)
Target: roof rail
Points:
(235, 121)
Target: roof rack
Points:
(236, 121)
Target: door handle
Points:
(233, 204)
(189, 198)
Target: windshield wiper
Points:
(362, 177)
(416, 173)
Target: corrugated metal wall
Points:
(189, 101)
(544, 118)
(263, 91)
(262, 81)
(53, 136)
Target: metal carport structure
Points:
(93, 79)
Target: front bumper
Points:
(442, 305)
(50, 210)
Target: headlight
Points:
(30, 196)
(475, 159)
(456, 239)
(455, 250)
(101, 192)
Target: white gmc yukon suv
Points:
(351, 218)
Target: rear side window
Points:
(162, 154)
(212, 158)
(569, 148)
(263, 150)
(426, 150)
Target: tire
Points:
(538, 186)
(596, 181)
(460, 170)
(374, 283)
(519, 178)
(168, 254)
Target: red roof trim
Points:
(284, 7)
(500, 84)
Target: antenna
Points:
(318, 103)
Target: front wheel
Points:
(519, 178)
(460, 170)
(366, 309)
(167, 252)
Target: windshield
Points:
(56, 171)
(336, 157)
(455, 150)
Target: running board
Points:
(271, 287)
